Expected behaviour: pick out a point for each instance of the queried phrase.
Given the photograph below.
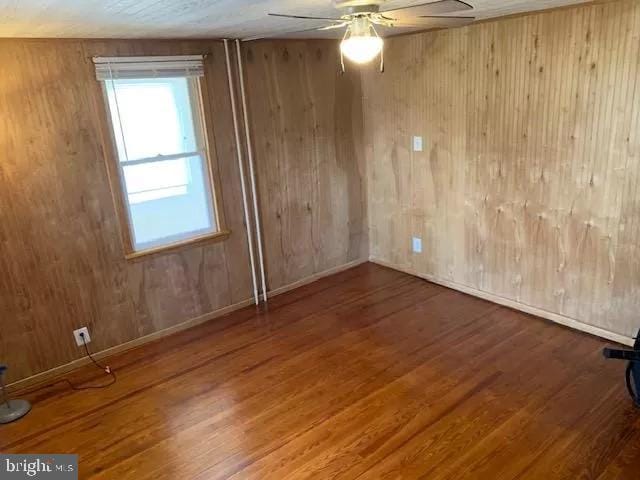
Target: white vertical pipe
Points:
(251, 170)
(236, 129)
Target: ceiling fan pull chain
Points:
(381, 50)
(346, 32)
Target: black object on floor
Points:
(633, 367)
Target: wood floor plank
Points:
(414, 415)
(627, 461)
(167, 358)
(367, 374)
(296, 391)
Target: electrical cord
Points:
(105, 369)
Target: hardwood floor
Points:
(367, 374)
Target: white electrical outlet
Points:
(417, 245)
(417, 144)
(79, 340)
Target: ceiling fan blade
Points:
(427, 9)
(304, 17)
(285, 34)
(434, 22)
(331, 27)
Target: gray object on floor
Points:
(11, 410)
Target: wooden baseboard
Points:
(48, 375)
(554, 317)
(317, 276)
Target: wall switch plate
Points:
(76, 335)
(417, 144)
(417, 245)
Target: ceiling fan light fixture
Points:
(359, 45)
(361, 49)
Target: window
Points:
(157, 126)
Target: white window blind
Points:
(149, 67)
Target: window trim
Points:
(202, 118)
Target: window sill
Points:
(173, 247)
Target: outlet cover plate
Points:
(417, 245)
(87, 337)
(417, 144)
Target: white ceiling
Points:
(199, 18)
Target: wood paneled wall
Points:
(307, 130)
(62, 264)
(528, 185)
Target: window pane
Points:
(164, 178)
(152, 117)
(169, 200)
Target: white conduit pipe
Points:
(251, 170)
(236, 129)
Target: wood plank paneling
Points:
(527, 188)
(307, 127)
(61, 260)
(60, 251)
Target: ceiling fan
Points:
(361, 42)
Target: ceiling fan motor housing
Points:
(359, 7)
(360, 27)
